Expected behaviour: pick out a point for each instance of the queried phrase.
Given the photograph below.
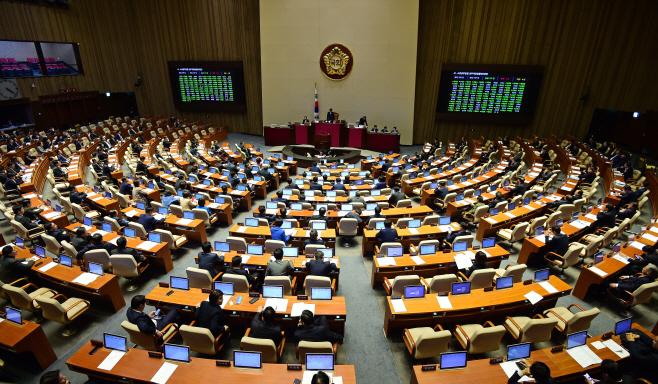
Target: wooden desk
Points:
(436, 264)
(28, 337)
(366, 165)
(489, 226)
(405, 236)
(475, 307)
(243, 313)
(258, 235)
(196, 230)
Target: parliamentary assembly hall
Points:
(328, 192)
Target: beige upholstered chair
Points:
(396, 286)
(64, 312)
(199, 278)
(68, 249)
(512, 270)
(126, 266)
(237, 243)
(515, 233)
(641, 295)
(572, 257)
(200, 339)
(384, 247)
(534, 224)
(99, 256)
(527, 330)
(425, 342)
(272, 245)
(20, 298)
(476, 338)
(52, 245)
(24, 233)
(174, 241)
(467, 238)
(373, 222)
(305, 347)
(202, 214)
(310, 249)
(414, 250)
(480, 278)
(270, 353)
(288, 287)
(403, 203)
(146, 341)
(348, 228)
(569, 322)
(140, 231)
(319, 282)
(80, 213)
(439, 283)
(240, 283)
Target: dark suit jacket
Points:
(318, 217)
(126, 189)
(331, 116)
(12, 269)
(107, 171)
(320, 267)
(242, 272)
(338, 187)
(441, 192)
(311, 241)
(386, 235)
(559, 244)
(626, 214)
(587, 178)
(208, 261)
(128, 251)
(627, 173)
(315, 186)
(142, 321)
(395, 197)
(518, 190)
(27, 223)
(149, 222)
(261, 330)
(92, 247)
(633, 283)
(212, 317)
(317, 332)
(643, 357)
(11, 185)
(79, 243)
(516, 377)
(141, 167)
(386, 167)
(605, 219)
(452, 236)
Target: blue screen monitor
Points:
(150, 185)
(376, 192)
(318, 293)
(542, 275)
(273, 291)
(242, 187)
(65, 261)
(494, 212)
(221, 246)
(287, 192)
(96, 268)
(371, 206)
(39, 251)
(511, 206)
(428, 249)
(296, 207)
(539, 231)
(505, 282)
(189, 215)
(395, 169)
(309, 193)
(444, 220)
(358, 182)
(526, 201)
(251, 222)
(107, 227)
(141, 206)
(255, 249)
(623, 326)
(576, 339)
(394, 251)
(460, 197)
(13, 315)
(415, 223)
(179, 283)
(319, 226)
(271, 205)
(451, 182)
(58, 209)
(327, 252)
(453, 360)
(290, 251)
(115, 342)
(155, 237)
(379, 225)
(108, 195)
(179, 353)
(346, 207)
(331, 193)
(459, 246)
(434, 185)
(19, 242)
(493, 188)
(180, 193)
(321, 205)
(414, 292)
(518, 351)
(477, 193)
(87, 221)
(129, 232)
(226, 288)
(461, 288)
(598, 257)
(320, 361)
(488, 242)
(559, 222)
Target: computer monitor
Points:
(504, 282)
(371, 206)
(65, 261)
(327, 252)
(115, 342)
(379, 225)
(460, 197)
(394, 251)
(287, 224)
(415, 223)
(155, 237)
(428, 249)
(518, 351)
(287, 192)
(346, 207)
(163, 211)
(623, 326)
(242, 187)
(129, 232)
(434, 185)
(575, 216)
(290, 251)
(511, 206)
(39, 251)
(222, 246)
(526, 201)
(13, 315)
(87, 221)
(444, 220)
(273, 291)
(319, 226)
(461, 288)
(141, 206)
(296, 207)
(493, 212)
(96, 268)
(459, 246)
(453, 360)
(376, 192)
(358, 182)
(189, 215)
(180, 193)
(488, 242)
(320, 362)
(414, 292)
(179, 283)
(219, 200)
(320, 293)
(598, 257)
(331, 193)
(477, 193)
(539, 231)
(395, 169)
(309, 193)
(615, 248)
(255, 249)
(321, 205)
(542, 275)
(493, 188)
(559, 222)
(108, 195)
(251, 222)
(226, 288)
(450, 182)
(576, 339)
(58, 209)
(19, 242)
(179, 353)
(207, 182)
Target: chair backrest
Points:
(431, 220)
(643, 293)
(310, 249)
(550, 222)
(176, 210)
(240, 283)
(305, 347)
(144, 340)
(534, 223)
(538, 330)
(385, 246)
(78, 212)
(348, 227)
(431, 344)
(403, 203)
(450, 197)
(19, 228)
(373, 222)
(442, 283)
(69, 249)
(481, 278)
(201, 214)
(581, 321)
(199, 339)
(199, 278)
(518, 233)
(19, 298)
(237, 243)
(593, 246)
(398, 284)
(486, 339)
(140, 231)
(52, 245)
(272, 245)
(124, 265)
(516, 271)
(467, 238)
(265, 346)
(315, 282)
(52, 310)
(99, 256)
(280, 280)
(572, 255)
(567, 210)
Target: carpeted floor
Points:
(377, 359)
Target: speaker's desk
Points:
(475, 307)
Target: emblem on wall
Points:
(336, 62)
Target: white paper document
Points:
(620, 258)
(616, 348)
(271, 211)
(158, 216)
(131, 213)
(548, 287)
(47, 266)
(444, 228)
(147, 245)
(85, 278)
(337, 380)
(598, 345)
(598, 271)
(510, 215)
(386, 261)
(414, 231)
(241, 229)
(654, 229)
(279, 305)
(50, 215)
(463, 261)
(444, 302)
(188, 221)
(164, 373)
(111, 360)
(491, 221)
(418, 260)
(298, 308)
(97, 198)
(114, 241)
(31, 195)
(649, 237)
(509, 367)
(636, 244)
(590, 216)
(245, 259)
(584, 356)
(398, 305)
(533, 296)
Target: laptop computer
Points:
(453, 360)
(115, 342)
(518, 351)
(177, 353)
(428, 249)
(461, 288)
(320, 293)
(179, 283)
(13, 315)
(504, 282)
(414, 292)
(273, 291)
(96, 268)
(248, 360)
(623, 326)
(320, 362)
(576, 339)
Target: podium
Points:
(322, 141)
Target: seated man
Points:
(316, 330)
(356, 199)
(236, 270)
(612, 373)
(387, 234)
(377, 215)
(278, 266)
(209, 315)
(262, 215)
(81, 238)
(627, 212)
(12, 269)
(122, 249)
(19, 216)
(478, 204)
(169, 198)
(559, 244)
(313, 239)
(338, 185)
(145, 322)
(279, 198)
(627, 197)
(647, 257)
(356, 214)
(318, 267)
(59, 234)
(315, 186)
(537, 370)
(480, 263)
(277, 233)
(606, 217)
(643, 355)
(283, 214)
(456, 233)
(519, 188)
(126, 188)
(630, 283)
(263, 327)
(113, 214)
(148, 221)
(396, 196)
(208, 259)
(320, 215)
(96, 243)
(381, 182)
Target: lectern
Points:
(322, 142)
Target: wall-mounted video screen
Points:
(208, 85)
(503, 94)
(37, 58)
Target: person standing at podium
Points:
(363, 121)
(305, 120)
(331, 115)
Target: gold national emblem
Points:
(336, 62)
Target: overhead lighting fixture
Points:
(636, 114)
(107, 94)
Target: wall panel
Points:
(605, 46)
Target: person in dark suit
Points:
(122, 249)
(320, 216)
(209, 315)
(626, 284)
(166, 144)
(305, 120)
(11, 184)
(118, 137)
(587, 177)
(316, 330)
(374, 129)
(148, 221)
(208, 260)
(627, 196)
(640, 191)
(319, 267)
(623, 159)
(96, 243)
(81, 238)
(263, 327)
(377, 215)
(396, 196)
(338, 186)
(363, 121)
(519, 189)
(627, 171)
(627, 212)
(279, 198)
(643, 357)
(387, 234)
(611, 373)
(386, 166)
(93, 135)
(513, 166)
(355, 214)
(315, 168)
(315, 186)
(381, 183)
(262, 215)
(19, 215)
(331, 116)
(441, 190)
(144, 322)
(141, 167)
(313, 239)
(59, 234)
(61, 158)
(537, 370)
(107, 170)
(544, 155)
(480, 263)
(647, 257)
(606, 217)
(553, 205)
(455, 234)
(58, 171)
(126, 188)
(236, 270)
(559, 244)
(12, 269)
